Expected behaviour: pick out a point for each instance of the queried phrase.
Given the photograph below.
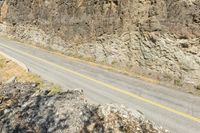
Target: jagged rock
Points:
(144, 36)
(26, 108)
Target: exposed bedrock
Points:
(158, 38)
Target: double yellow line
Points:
(108, 85)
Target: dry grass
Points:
(55, 89)
(1, 62)
(8, 69)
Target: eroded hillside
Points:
(158, 38)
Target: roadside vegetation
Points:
(9, 70)
(198, 87)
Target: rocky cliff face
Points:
(159, 38)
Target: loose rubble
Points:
(25, 108)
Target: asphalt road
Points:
(177, 111)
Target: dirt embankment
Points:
(156, 38)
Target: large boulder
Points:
(26, 108)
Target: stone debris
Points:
(24, 108)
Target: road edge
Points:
(15, 60)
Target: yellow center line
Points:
(185, 115)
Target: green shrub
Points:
(55, 89)
(177, 82)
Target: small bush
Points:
(198, 87)
(55, 89)
(177, 82)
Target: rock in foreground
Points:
(25, 108)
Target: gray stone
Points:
(66, 112)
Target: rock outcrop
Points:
(158, 38)
(25, 108)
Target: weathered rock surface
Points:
(26, 109)
(159, 38)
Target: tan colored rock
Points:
(148, 36)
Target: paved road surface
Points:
(176, 111)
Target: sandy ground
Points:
(9, 69)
